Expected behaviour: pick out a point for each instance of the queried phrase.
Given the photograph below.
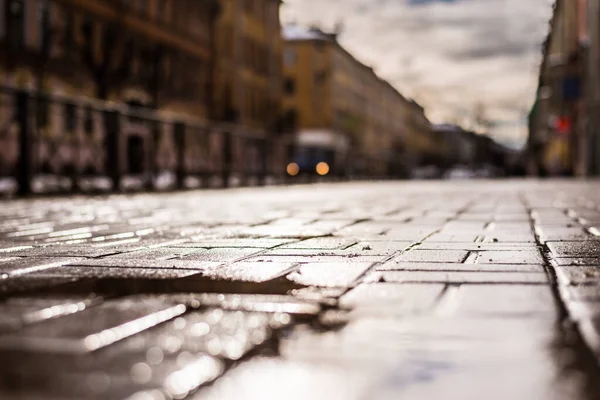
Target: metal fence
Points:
(62, 144)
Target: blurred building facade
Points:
(326, 89)
(592, 81)
(563, 122)
(205, 61)
(153, 53)
(477, 153)
(248, 79)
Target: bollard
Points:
(112, 128)
(180, 143)
(226, 158)
(154, 172)
(24, 166)
(264, 162)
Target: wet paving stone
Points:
(462, 277)
(118, 262)
(576, 261)
(510, 257)
(392, 298)
(32, 284)
(511, 301)
(477, 246)
(582, 292)
(298, 303)
(578, 275)
(412, 234)
(585, 310)
(554, 234)
(18, 312)
(414, 357)
(172, 378)
(445, 256)
(28, 265)
(161, 253)
(268, 378)
(396, 265)
(236, 243)
(575, 249)
(79, 250)
(377, 248)
(328, 275)
(248, 271)
(590, 329)
(93, 328)
(320, 244)
(221, 255)
(509, 237)
(448, 237)
(87, 272)
(368, 229)
(270, 258)
(416, 290)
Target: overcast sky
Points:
(446, 54)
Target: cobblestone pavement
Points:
(437, 290)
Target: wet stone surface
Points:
(462, 290)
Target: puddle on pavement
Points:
(191, 284)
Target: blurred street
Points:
(380, 290)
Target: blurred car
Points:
(460, 173)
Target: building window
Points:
(88, 122)
(289, 86)
(2, 19)
(291, 120)
(167, 73)
(176, 13)
(161, 8)
(70, 117)
(249, 6)
(110, 36)
(260, 10)
(87, 31)
(44, 23)
(320, 78)
(289, 57)
(16, 22)
(147, 8)
(69, 34)
(142, 6)
(42, 111)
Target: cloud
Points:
(449, 54)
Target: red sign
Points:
(563, 125)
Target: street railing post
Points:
(180, 142)
(112, 128)
(264, 161)
(76, 142)
(226, 158)
(24, 166)
(208, 166)
(157, 127)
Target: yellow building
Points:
(327, 89)
(248, 76)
